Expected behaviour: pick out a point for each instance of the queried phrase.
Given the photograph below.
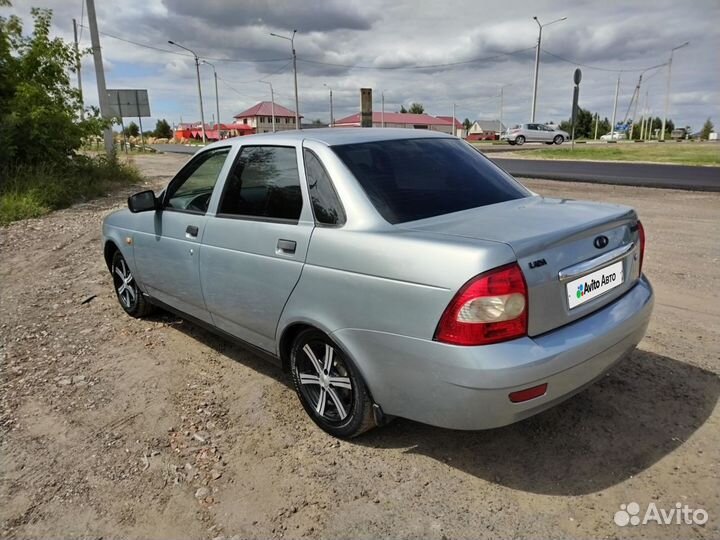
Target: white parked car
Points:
(614, 136)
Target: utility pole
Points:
(613, 132)
(643, 134)
(667, 91)
(597, 118)
(77, 68)
(382, 113)
(217, 99)
(100, 75)
(332, 118)
(502, 89)
(294, 60)
(197, 71)
(454, 129)
(636, 95)
(272, 103)
(537, 63)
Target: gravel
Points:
(116, 427)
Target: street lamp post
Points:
(537, 63)
(272, 103)
(667, 91)
(332, 117)
(197, 70)
(291, 39)
(217, 99)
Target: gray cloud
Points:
(612, 35)
(308, 16)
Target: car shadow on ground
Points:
(642, 410)
(225, 346)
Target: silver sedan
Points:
(391, 272)
(522, 133)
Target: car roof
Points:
(335, 136)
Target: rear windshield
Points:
(413, 179)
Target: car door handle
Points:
(286, 246)
(192, 230)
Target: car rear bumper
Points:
(468, 387)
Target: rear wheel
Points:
(558, 139)
(520, 140)
(329, 386)
(126, 288)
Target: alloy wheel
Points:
(324, 381)
(124, 284)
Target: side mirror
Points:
(142, 202)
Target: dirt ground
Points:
(119, 428)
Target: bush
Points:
(33, 190)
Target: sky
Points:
(437, 53)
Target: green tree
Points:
(163, 130)
(707, 129)
(584, 124)
(416, 108)
(467, 124)
(38, 106)
(403, 109)
(132, 130)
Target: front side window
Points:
(325, 203)
(192, 188)
(263, 183)
(414, 179)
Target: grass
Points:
(31, 191)
(677, 153)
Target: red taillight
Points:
(528, 393)
(641, 237)
(491, 307)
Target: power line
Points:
(598, 68)
(169, 51)
(428, 66)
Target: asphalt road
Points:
(626, 174)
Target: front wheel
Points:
(126, 288)
(558, 139)
(329, 386)
(520, 140)
(511, 143)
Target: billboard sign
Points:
(129, 103)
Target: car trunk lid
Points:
(558, 243)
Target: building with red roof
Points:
(400, 120)
(259, 117)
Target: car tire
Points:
(558, 139)
(329, 386)
(127, 290)
(511, 143)
(520, 140)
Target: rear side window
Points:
(263, 183)
(325, 202)
(414, 179)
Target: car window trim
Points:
(164, 202)
(266, 219)
(332, 186)
(248, 217)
